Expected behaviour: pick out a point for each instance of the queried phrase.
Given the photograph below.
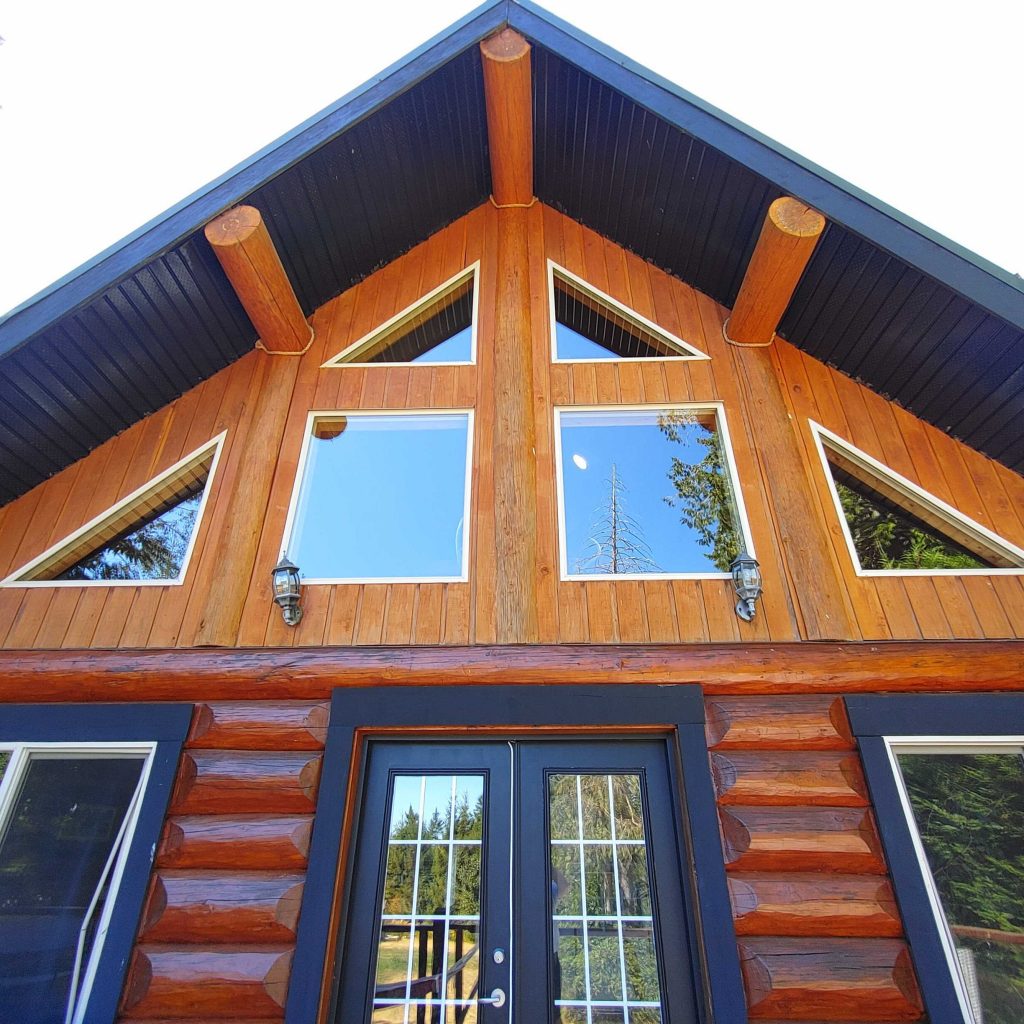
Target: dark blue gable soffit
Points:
(630, 155)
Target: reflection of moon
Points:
(579, 461)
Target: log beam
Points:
(242, 244)
(509, 102)
(788, 237)
(312, 673)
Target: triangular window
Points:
(439, 328)
(147, 536)
(590, 325)
(893, 525)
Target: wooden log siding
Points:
(818, 926)
(218, 928)
(514, 593)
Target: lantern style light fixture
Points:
(287, 590)
(746, 578)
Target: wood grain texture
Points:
(835, 979)
(256, 842)
(792, 723)
(508, 97)
(796, 903)
(212, 907)
(207, 982)
(800, 839)
(786, 778)
(248, 725)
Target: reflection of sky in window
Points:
(456, 349)
(570, 344)
(383, 499)
(642, 454)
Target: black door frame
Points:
(358, 714)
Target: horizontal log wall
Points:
(218, 928)
(819, 932)
(811, 591)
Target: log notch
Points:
(788, 237)
(820, 934)
(242, 244)
(506, 59)
(218, 928)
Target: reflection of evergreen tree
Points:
(970, 814)
(883, 539)
(703, 496)
(617, 538)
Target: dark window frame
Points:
(872, 719)
(673, 712)
(165, 725)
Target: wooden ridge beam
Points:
(509, 101)
(788, 237)
(203, 674)
(245, 250)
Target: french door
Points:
(517, 880)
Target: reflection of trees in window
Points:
(617, 538)
(702, 492)
(970, 814)
(150, 551)
(888, 537)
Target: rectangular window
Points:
(83, 794)
(647, 492)
(382, 497)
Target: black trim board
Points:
(167, 725)
(671, 709)
(874, 717)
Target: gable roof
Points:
(913, 315)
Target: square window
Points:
(382, 496)
(647, 491)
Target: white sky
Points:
(112, 111)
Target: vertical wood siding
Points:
(811, 590)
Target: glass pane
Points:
(586, 327)
(608, 957)
(646, 491)
(564, 817)
(420, 974)
(969, 810)
(66, 818)
(383, 497)
(5, 757)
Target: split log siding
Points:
(811, 589)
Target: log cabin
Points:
(724, 724)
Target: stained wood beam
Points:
(242, 244)
(312, 673)
(788, 237)
(509, 102)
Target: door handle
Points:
(496, 998)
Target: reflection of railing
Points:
(966, 931)
(430, 946)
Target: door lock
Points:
(496, 999)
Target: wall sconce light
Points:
(746, 578)
(287, 590)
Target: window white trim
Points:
(346, 357)
(10, 786)
(717, 409)
(293, 503)
(687, 351)
(215, 444)
(956, 521)
(896, 745)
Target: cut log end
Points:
(795, 218)
(506, 45)
(234, 226)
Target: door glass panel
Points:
(427, 950)
(605, 968)
(969, 811)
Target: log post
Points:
(509, 100)
(242, 244)
(788, 237)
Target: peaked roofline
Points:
(970, 275)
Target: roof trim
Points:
(965, 272)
